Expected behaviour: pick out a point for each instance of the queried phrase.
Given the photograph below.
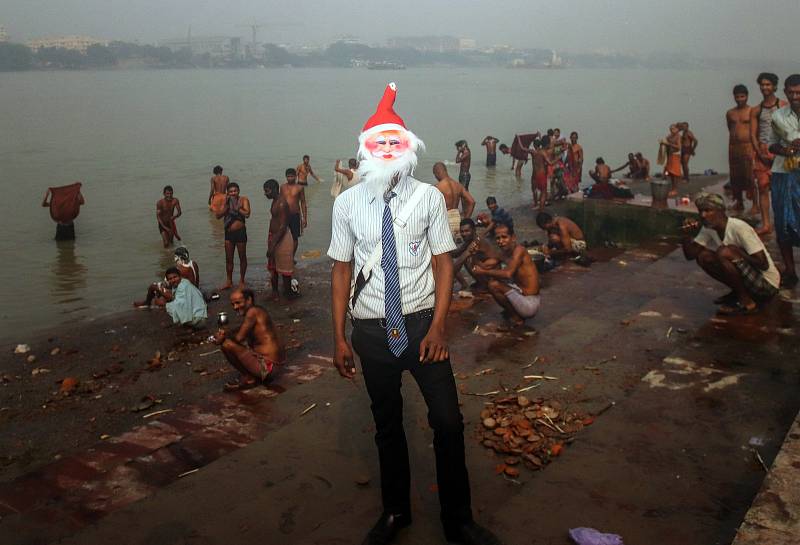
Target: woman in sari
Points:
(574, 166)
(670, 152)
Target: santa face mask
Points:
(387, 145)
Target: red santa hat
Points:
(385, 118)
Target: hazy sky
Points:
(751, 29)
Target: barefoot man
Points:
(688, 146)
(567, 237)
(760, 135)
(490, 143)
(540, 162)
(454, 193)
(280, 244)
(255, 349)
(219, 190)
(295, 195)
(235, 213)
(740, 150)
(464, 159)
(515, 287)
(304, 170)
(168, 210)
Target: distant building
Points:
(3, 34)
(77, 43)
(467, 44)
(214, 46)
(439, 44)
(348, 40)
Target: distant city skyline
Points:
(732, 29)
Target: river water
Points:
(126, 134)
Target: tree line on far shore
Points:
(18, 57)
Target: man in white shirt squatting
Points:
(390, 233)
(729, 250)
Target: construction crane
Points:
(254, 29)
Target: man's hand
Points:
(219, 338)
(305, 223)
(343, 360)
(433, 347)
(689, 227)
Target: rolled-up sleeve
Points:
(342, 239)
(440, 240)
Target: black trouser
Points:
(382, 375)
(464, 178)
(65, 231)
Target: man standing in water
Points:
(740, 150)
(464, 159)
(255, 349)
(760, 135)
(219, 190)
(65, 204)
(280, 244)
(304, 170)
(540, 162)
(399, 311)
(234, 214)
(490, 143)
(168, 210)
(295, 195)
(454, 194)
(688, 146)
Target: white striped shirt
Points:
(357, 224)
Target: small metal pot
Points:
(222, 319)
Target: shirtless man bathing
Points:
(454, 193)
(515, 287)
(234, 214)
(255, 349)
(295, 195)
(563, 234)
(490, 143)
(168, 210)
(540, 161)
(219, 190)
(280, 244)
(740, 149)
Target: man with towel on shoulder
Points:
(454, 193)
(280, 243)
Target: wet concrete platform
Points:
(682, 399)
(774, 517)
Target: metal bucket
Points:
(660, 191)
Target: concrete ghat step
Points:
(774, 516)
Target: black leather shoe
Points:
(471, 534)
(386, 529)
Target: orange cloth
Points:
(282, 260)
(740, 163)
(65, 202)
(674, 165)
(217, 203)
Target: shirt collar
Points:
(401, 190)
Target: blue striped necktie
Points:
(395, 324)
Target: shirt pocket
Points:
(412, 247)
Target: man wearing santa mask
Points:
(390, 234)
